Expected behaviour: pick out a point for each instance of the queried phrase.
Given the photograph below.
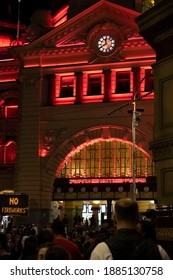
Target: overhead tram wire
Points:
(129, 103)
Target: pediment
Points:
(76, 30)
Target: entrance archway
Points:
(108, 149)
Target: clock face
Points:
(106, 44)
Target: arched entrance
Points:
(98, 171)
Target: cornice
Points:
(80, 45)
(136, 43)
(156, 24)
(83, 23)
(9, 67)
(56, 51)
(162, 148)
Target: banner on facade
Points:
(14, 205)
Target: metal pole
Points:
(133, 185)
(18, 22)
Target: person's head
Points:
(45, 235)
(32, 231)
(147, 229)
(107, 223)
(55, 252)
(126, 212)
(107, 227)
(42, 249)
(58, 227)
(30, 247)
(151, 216)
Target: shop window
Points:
(149, 80)
(123, 82)
(67, 86)
(94, 84)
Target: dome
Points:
(42, 18)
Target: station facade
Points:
(66, 97)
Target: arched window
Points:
(8, 153)
(107, 159)
(9, 108)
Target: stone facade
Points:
(51, 127)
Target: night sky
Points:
(27, 7)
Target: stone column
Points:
(136, 81)
(107, 85)
(156, 26)
(28, 179)
(79, 87)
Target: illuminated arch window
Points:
(8, 153)
(9, 108)
(107, 159)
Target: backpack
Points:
(129, 245)
(146, 250)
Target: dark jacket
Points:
(127, 244)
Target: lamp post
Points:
(18, 22)
(136, 112)
(134, 123)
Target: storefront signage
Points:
(101, 188)
(15, 205)
(105, 180)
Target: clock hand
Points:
(105, 44)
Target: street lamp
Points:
(136, 112)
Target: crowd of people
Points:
(129, 237)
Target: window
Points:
(123, 82)
(84, 210)
(11, 111)
(67, 86)
(8, 153)
(9, 108)
(94, 84)
(107, 159)
(103, 208)
(149, 80)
